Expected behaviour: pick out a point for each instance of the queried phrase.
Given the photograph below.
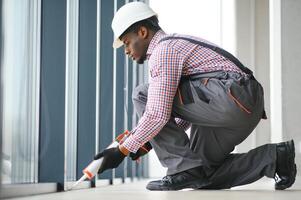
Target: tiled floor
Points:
(262, 189)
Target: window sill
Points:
(17, 190)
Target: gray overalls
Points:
(223, 108)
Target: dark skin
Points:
(136, 43)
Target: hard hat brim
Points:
(117, 43)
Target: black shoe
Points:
(286, 167)
(193, 178)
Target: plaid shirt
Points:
(168, 61)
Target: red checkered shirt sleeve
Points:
(166, 68)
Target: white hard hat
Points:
(127, 15)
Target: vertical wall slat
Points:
(106, 74)
(52, 100)
(1, 36)
(86, 84)
(119, 117)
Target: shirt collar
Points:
(154, 42)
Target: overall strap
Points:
(218, 50)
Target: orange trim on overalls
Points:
(205, 81)
(144, 149)
(238, 103)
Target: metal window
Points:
(71, 91)
(21, 83)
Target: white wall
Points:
(194, 17)
(290, 71)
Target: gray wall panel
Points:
(106, 78)
(51, 153)
(86, 84)
(1, 37)
(120, 70)
(130, 110)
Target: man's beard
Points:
(141, 59)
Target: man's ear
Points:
(143, 32)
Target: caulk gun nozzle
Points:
(79, 181)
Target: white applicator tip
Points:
(79, 181)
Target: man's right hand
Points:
(141, 151)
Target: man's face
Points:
(135, 45)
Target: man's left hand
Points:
(111, 158)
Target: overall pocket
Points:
(242, 96)
(200, 87)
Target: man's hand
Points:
(111, 158)
(141, 151)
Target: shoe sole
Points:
(291, 147)
(193, 185)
